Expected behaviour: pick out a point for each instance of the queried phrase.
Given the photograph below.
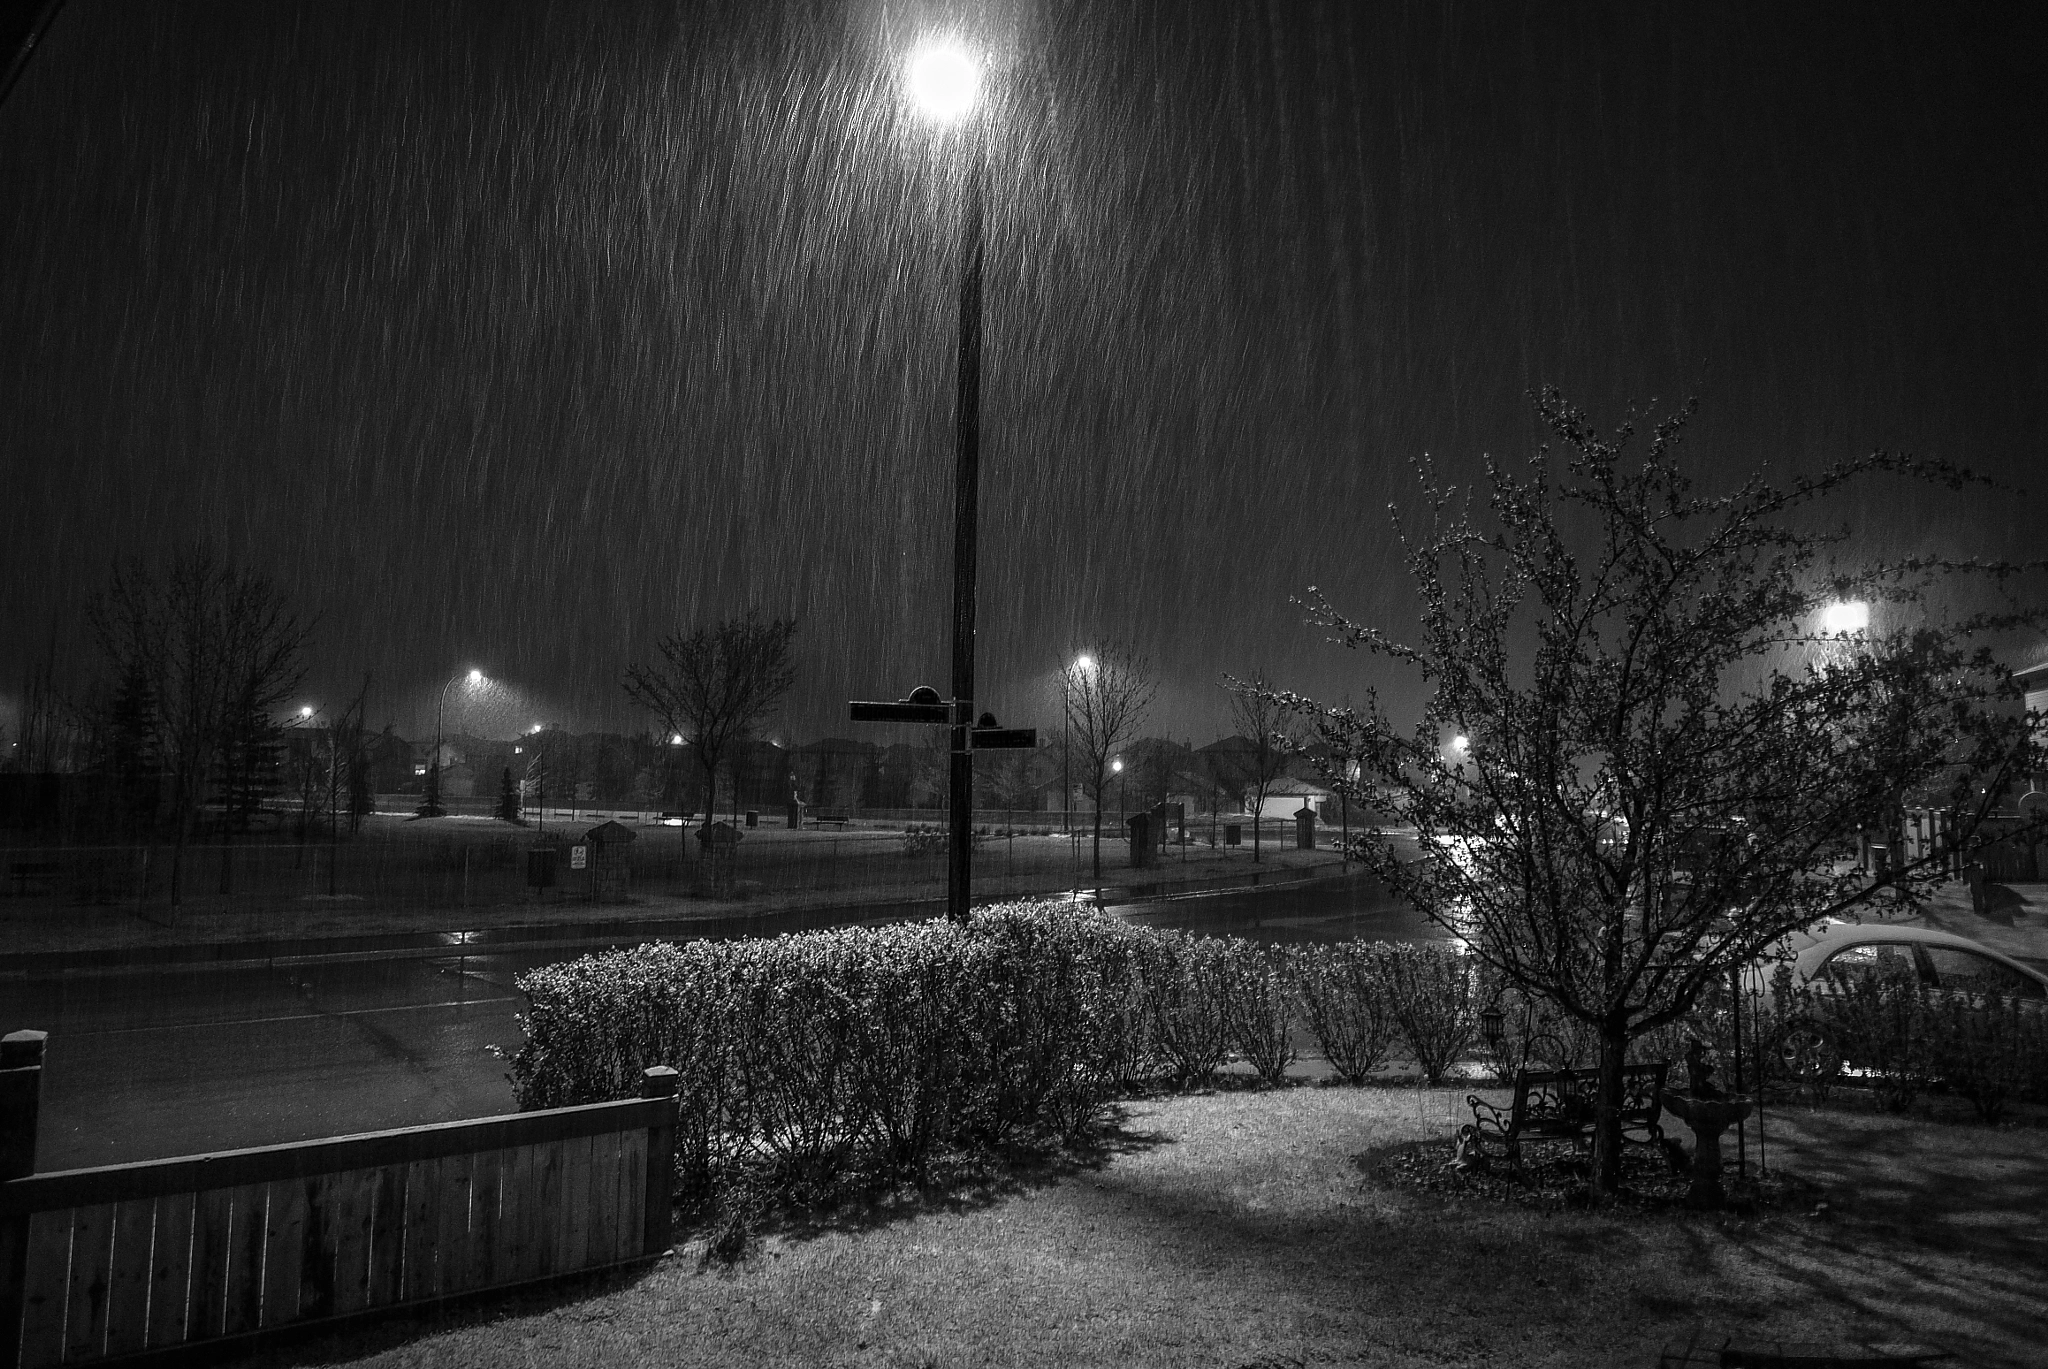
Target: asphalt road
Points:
(179, 1062)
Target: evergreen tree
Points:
(508, 800)
(430, 801)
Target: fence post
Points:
(21, 1083)
(21, 1086)
(659, 1081)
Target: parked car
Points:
(1835, 958)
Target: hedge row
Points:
(823, 1053)
(1904, 1038)
(865, 1050)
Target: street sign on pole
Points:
(877, 712)
(1005, 738)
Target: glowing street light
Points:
(306, 710)
(1461, 743)
(1844, 618)
(944, 81)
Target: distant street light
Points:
(1461, 744)
(1845, 617)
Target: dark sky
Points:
(518, 334)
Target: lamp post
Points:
(1083, 664)
(431, 808)
(945, 84)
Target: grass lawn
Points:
(1242, 1228)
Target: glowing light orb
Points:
(1841, 619)
(944, 81)
(1461, 743)
(476, 677)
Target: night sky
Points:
(515, 335)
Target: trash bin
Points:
(1140, 825)
(1305, 828)
(540, 867)
(753, 817)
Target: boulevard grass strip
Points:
(1240, 1228)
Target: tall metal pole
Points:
(966, 481)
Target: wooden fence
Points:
(100, 1263)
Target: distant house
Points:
(1289, 793)
(834, 775)
(392, 767)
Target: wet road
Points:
(177, 1062)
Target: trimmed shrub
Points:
(1184, 1007)
(1258, 1006)
(806, 1059)
(1991, 1051)
(1344, 1005)
(1432, 993)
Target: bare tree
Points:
(714, 686)
(1105, 696)
(220, 649)
(1667, 757)
(1271, 728)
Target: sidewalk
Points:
(42, 936)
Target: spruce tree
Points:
(508, 800)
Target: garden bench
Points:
(1557, 1105)
(22, 871)
(837, 819)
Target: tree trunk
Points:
(1098, 839)
(710, 790)
(1605, 1179)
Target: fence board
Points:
(452, 1205)
(245, 1254)
(170, 1270)
(422, 1228)
(92, 1257)
(486, 1179)
(287, 1209)
(632, 1233)
(349, 1207)
(387, 1237)
(209, 1263)
(572, 1226)
(547, 1206)
(128, 1277)
(519, 1196)
(48, 1272)
(601, 1207)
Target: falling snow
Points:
(523, 333)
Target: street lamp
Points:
(431, 808)
(1084, 664)
(1845, 618)
(945, 84)
(1117, 765)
